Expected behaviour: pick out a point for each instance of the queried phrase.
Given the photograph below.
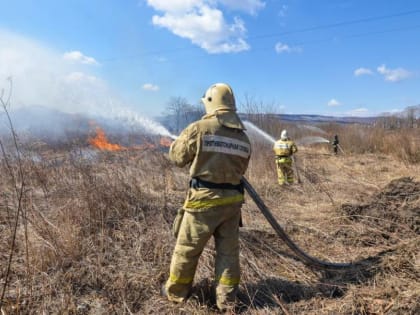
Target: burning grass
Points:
(100, 141)
(94, 236)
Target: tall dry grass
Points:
(402, 143)
(93, 223)
(98, 240)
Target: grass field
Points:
(94, 232)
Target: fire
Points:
(101, 142)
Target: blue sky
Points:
(304, 57)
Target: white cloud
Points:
(80, 77)
(206, 29)
(77, 56)
(204, 23)
(150, 87)
(281, 48)
(174, 5)
(394, 75)
(283, 10)
(333, 102)
(358, 112)
(362, 71)
(249, 6)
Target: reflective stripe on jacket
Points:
(216, 154)
(284, 148)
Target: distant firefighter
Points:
(335, 144)
(284, 149)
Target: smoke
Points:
(45, 78)
(42, 76)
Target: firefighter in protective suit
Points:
(217, 150)
(284, 149)
(335, 144)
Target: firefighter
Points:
(284, 149)
(335, 144)
(217, 151)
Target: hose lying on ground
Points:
(304, 257)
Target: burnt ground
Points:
(395, 209)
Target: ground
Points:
(94, 235)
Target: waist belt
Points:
(282, 156)
(195, 182)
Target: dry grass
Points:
(403, 144)
(99, 240)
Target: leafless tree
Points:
(180, 113)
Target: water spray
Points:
(135, 120)
(312, 140)
(306, 140)
(260, 132)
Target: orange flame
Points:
(101, 142)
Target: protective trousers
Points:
(196, 229)
(285, 170)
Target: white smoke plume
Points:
(47, 78)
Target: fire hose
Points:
(304, 257)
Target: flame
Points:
(101, 142)
(165, 142)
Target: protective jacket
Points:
(218, 151)
(284, 148)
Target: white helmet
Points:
(284, 135)
(219, 96)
